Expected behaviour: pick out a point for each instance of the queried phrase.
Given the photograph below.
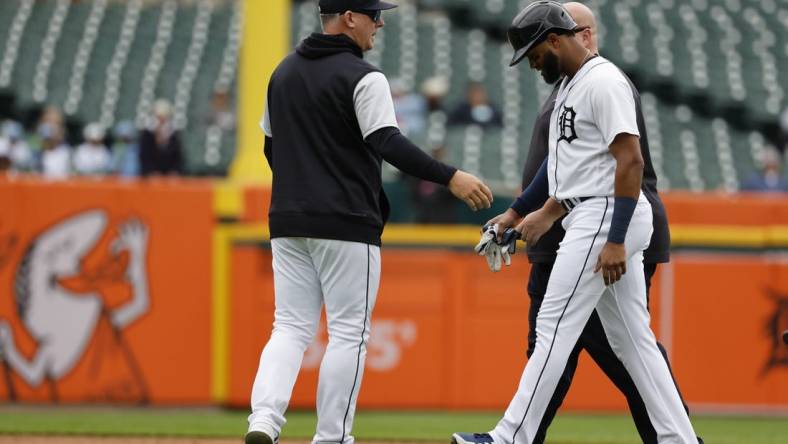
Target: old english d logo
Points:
(566, 124)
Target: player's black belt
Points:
(570, 203)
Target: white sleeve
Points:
(613, 106)
(373, 103)
(265, 124)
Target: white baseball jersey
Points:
(591, 109)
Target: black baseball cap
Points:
(340, 6)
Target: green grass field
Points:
(370, 426)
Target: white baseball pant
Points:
(574, 290)
(307, 274)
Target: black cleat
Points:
(256, 437)
(471, 438)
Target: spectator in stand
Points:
(55, 155)
(5, 162)
(434, 90)
(92, 158)
(14, 146)
(222, 114)
(476, 109)
(410, 109)
(432, 203)
(160, 145)
(53, 116)
(769, 179)
(125, 150)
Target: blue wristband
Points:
(623, 208)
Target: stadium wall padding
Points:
(448, 333)
(87, 327)
(106, 288)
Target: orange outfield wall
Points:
(115, 292)
(446, 332)
(105, 289)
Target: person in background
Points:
(92, 158)
(55, 155)
(14, 146)
(125, 150)
(409, 108)
(432, 203)
(51, 115)
(476, 109)
(161, 151)
(221, 113)
(5, 162)
(434, 90)
(769, 179)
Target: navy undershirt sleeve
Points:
(535, 195)
(397, 150)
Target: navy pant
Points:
(594, 341)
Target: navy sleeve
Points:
(397, 150)
(535, 195)
(267, 146)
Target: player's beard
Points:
(551, 72)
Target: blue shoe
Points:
(471, 438)
(256, 437)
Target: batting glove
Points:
(508, 244)
(489, 248)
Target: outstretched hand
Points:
(471, 190)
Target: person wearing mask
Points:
(91, 158)
(125, 150)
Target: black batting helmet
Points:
(534, 23)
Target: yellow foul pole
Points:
(266, 40)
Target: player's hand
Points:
(612, 262)
(534, 226)
(505, 220)
(470, 190)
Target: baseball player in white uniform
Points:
(593, 172)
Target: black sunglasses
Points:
(373, 15)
